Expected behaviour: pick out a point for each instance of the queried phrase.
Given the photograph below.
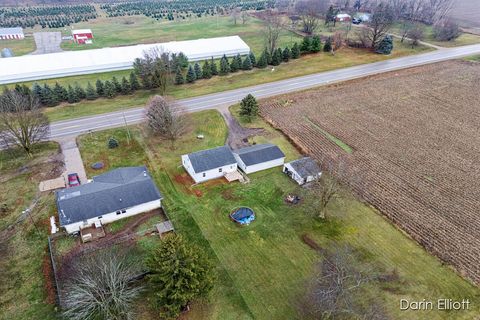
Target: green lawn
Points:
(263, 267)
(19, 47)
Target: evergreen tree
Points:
(234, 67)
(295, 51)
(198, 71)
(249, 107)
(116, 85)
(262, 61)
(134, 84)
(316, 44)
(109, 90)
(91, 93)
(191, 75)
(277, 58)
(48, 98)
(224, 66)
(81, 94)
(23, 89)
(385, 46)
(253, 59)
(60, 92)
(238, 58)
(268, 56)
(37, 91)
(179, 76)
(180, 273)
(100, 88)
(213, 66)
(247, 63)
(206, 70)
(287, 54)
(112, 143)
(306, 45)
(72, 95)
(327, 47)
(126, 88)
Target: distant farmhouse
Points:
(303, 170)
(111, 196)
(11, 34)
(209, 164)
(259, 157)
(343, 17)
(82, 36)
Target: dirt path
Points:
(238, 135)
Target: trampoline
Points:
(243, 215)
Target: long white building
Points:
(69, 63)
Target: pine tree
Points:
(112, 143)
(72, 95)
(277, 58)
(249, 107)
(81, 94)
(224, 66)
(306, 45)
(287, 54)
(385, 46)
(134, 84)
(213, 66)
(234, 65)
(316, 44)
(48, 98)
(238, 58)
(198, 71)
(327, 47)
(206, 70)
(179, 79)
(268, 56)
(116, 85)
(37, 91)
(60, 92)
(295, 51)
(191, 75)
(109, 90)
(262, 61)
(126, 88)
(247, 63)
(253, 59)
(100, 88)
(91, 93)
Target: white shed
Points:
(209, 164)
(303, 170)
(259, 157)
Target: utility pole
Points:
(126, 126)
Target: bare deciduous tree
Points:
(21, 121)
(154, 69)
(165, 118)
(101, 286)
(415, 35)
(378, 25)
(235, 14)
(273, 28)
(310, 12)
(436, 10)
(244, 16)
(446, 30)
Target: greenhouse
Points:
(69, 63)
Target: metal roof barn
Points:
(69, 63)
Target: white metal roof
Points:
(81, 31)
(8, 31)
(68, 63)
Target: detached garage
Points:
(303, 170)
(259, 157)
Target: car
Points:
(356, 21)
(73, 180)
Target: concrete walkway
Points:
(72, 158)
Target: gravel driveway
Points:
(47, 42)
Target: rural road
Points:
(78, 126)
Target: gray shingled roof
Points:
(7, 31)
(114, 190)
(211, 159)
(259, 153)
(306, 167)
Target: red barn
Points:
(82, 36)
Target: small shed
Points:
(343, 17)
(259, 157)
(164, 227)
(303, 170)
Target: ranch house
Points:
(302, 170)
(209, 164)
(114, 195)
(259, 157)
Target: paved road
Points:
(218, 100)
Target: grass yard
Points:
(263, 267)
(19, 47)
(23, 248)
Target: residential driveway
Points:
(47, 42)
(238, 135)
(72, 158)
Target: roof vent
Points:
(120, 199)
(144, 173)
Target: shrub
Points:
(112, 143)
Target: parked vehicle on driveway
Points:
(73, 180)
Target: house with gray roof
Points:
(209, 164)
(303, 170)
(259, 157)
(114, 195)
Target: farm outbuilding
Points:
(259, 157)
(114, 195)
(82, 36)
(11, 33)
(343, 17)
(209, 164)
(303, 170)
(69, 63)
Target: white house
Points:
(209, 164)
(111, 196)
(11, 33)
(343, 17)
(259, 157)
(302, 170)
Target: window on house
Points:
(220, 169)
(204, 174)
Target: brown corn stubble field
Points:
(415, 149)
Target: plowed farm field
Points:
(408, 143)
